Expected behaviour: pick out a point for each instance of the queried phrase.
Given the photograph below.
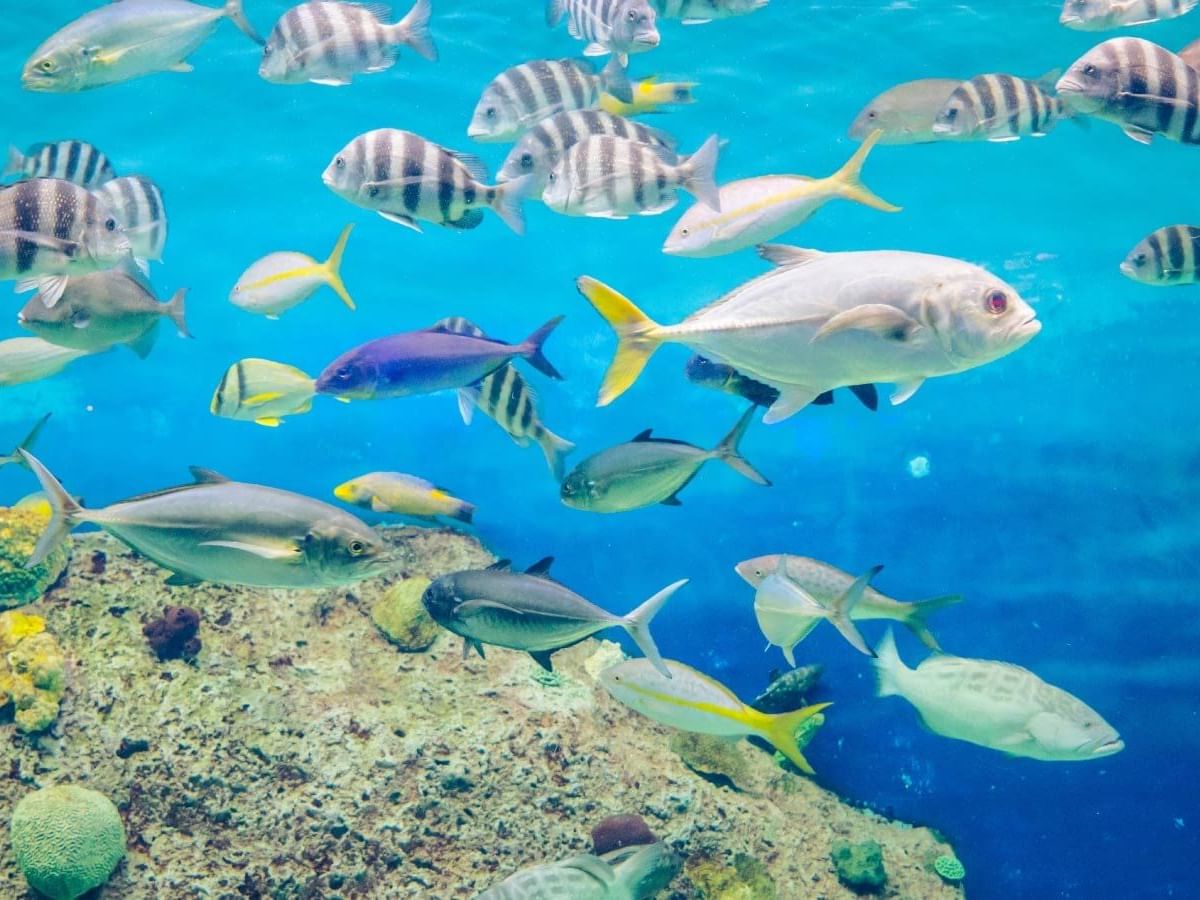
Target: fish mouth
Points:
(1028, 329)
(942, 128)
(1068, 85)
(1126, 269)
(1108, 748)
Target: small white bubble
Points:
(918, 466)
(89, 408)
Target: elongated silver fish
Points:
(137, 204)
(520, 97)
(1166, 257)
(329, 42)
(906, 113)
(124, 40)
(1102, 15)
(620, 27)
(71, 160)
(701, 12)
(227, 532)
(406, 178)
(786, 612)
(26, 359)
(26, 444)
(999, 108)
(720, 377)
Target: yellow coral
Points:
(32, 671)
(20, 528)
(15, 627)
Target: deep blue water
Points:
(1064, 479)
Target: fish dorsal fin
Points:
(786, 256)
(592, 866)
(643, 436)
(1048, 81)
(207, 476)
(473, 164)
(541, 568)
(500, 565)
(456, 325)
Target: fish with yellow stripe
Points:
(262, 391)
(649, 95)
(692, 701)
(279, 281)
(403, 495)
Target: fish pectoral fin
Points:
(269, 421)
(144, 342)
(1138, 134)
(784, 255)
(885, 321)
(401, 219)
(466, 403)
(379, 506)
(542, 658)
(181, 67)
(260, 399)
(259, 550)
(468, 645)
(471, 607)
(179, 579)
(904, 390)
(49, 241)
(673, 500)
(792, 399)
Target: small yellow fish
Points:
(405, 495)
(279, 281)
(262, 391)
(648, 96)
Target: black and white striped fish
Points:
(406, 178)
(700, 12)
(539, 149)
(1142, 87)
(520, 97)
(137, 204)
(1167, 257)
(620, 27)
(999, 108)
(613, 178)
(1101, 15)
(50, 229)
(507, 399)
(76, 161)
(329, 42)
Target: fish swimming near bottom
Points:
(996, 705)
(719, 377)
(25, 359)
(404, 495)
(692, 701)
(532, 612)
(1167, 257)
(786, 613)
(262, 391)
(26, 444)
(630, 873)
(226, 532)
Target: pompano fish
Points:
(826, 583)
(996, 705)
(701, 12)
(754, 210)
(1166, 257)
(405, 495)
(103, 309)
(650, 470)
(630, 873)
(786, 612)
(25, 359)
(26, 444)
(1000, 108)
(1102, 15)
(906, 113)
(329, 42)
(72, 160)
(689, 700)
(720, 377)
(262, 391)
(619, 27)
(825, 320)
(124, 40)
(227, 532)
(137, 205)
(281, 280)
(531, 612)
(649, 96)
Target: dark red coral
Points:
(621, 831)
(174, 636)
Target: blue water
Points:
(1063, 483)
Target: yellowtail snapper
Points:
(281, 280)
(649, 96)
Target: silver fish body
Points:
(620, 27)
(30, 439)
(26, 359)
(71, 160)
(1102, 15)
(997, 108)
(1166, 257)
(700, 12)
(137, 204)
(906, 113)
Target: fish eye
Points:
(490, 112)
(552, 177)
(1089, 69)
(952, 113)
(342, 374)
(684, 232)
(340, 162)
(631, 15)
(357, 548)
(110, 224)
(526, 160)
(1140, 259)
(996, 302)
(47, 65)
(373, 191)
(681, 93)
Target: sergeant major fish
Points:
(906, 113)
(1102, 15)
(404, 495)
(137, 204)
(281, 280)
(786, 613)
(26, 359)
(262, 391)
(1166, 257)
(26, 444)
(620, 27)
(999, 108)
(701, 12)
(649, 96)
(71, 160)
(329, 42)
(720, 377)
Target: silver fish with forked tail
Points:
(27, 444)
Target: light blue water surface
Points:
(1063, 486)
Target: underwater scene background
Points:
(1062, 481)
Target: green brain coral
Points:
(401, 616)
(859, 866)
(20, 528)
(67, 840)
(32, 671)
(950, 868)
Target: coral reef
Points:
(301, 756)
(860, 865)
(788, 690)
(950, 868)
(720, 760)
(32, 671)
(401, 616)
(745, 879)
(174, 636)
(615, 832)
(20, 528)
(67, 840)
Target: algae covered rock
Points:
(20, 528)
(717, 759)
(859, 866)
(401, 616)
(746, 879)
(67, 840)
(32, 671)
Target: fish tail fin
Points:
(849, 177)
(554, 12)
(919, 611)
(30, 439)
(175, 310)
(15, 163)
(840, 609)
(615, 80)
(64, 511)
(556, 450)
(465, 512)
(506, 200)
(237, 15)
(637, 624)
(700, 173)
(333, 267)
(887, 665)
(636, 336)
(780, 730)
(531, 349)
(413, 31)
(728, 452)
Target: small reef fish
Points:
(281, 280)
(1165, 258)
(404, 495)
(520, 97)
(614, 178)
(650, 470)
(815, 323)
(706, 373)
(103, 309)
(1102, 15)
(329, 42)
(648, 96)
(1000, 108)
(124, 40)
(756, 210)
(26, 444)
(701, 12)
(786, 612)
(404, 177)
(619, 27)
(692, 701)
(1143, 88)
(906, 113)
(531, 612)
(263, 392)
(25, 359)
(996, 705)
(75, 161)
(227, 532)
(630, 873)
(538, 151)
(422, 362)
(51, 228)
(137, 204)
(826, 583)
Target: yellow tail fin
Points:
(333, 266)
(636, 338)
(848, 177)
(781, 730)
